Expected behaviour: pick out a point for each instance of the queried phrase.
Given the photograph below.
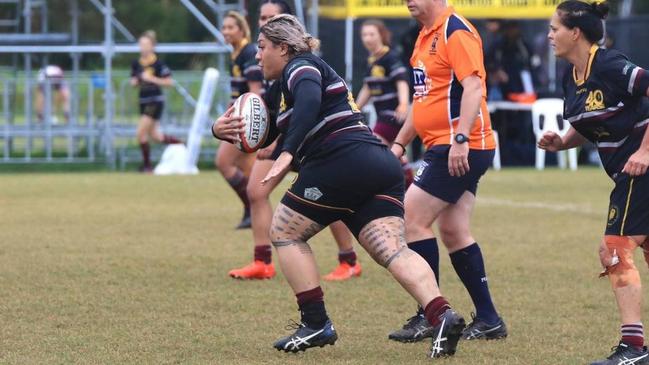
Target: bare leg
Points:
(261, 213)
(384, 240)
(348, 265)
(143, 130)
(342, 235)
(289, 232)
(259, 196)
(228, 160)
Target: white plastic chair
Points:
(547, 115)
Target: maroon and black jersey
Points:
(381, 78)
(609, 106)
(317, 112)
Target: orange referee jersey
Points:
(443, 56)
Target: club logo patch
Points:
(420, 171)
(312, 194)
(613, 215)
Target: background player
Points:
(606, 103)
(246, 76)
(259, 195)
(385, 85)
(449, 112)
(149, 73)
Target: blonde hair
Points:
(287, 29)
(150, 34)
(242, 23)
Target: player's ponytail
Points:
(287, 29)
(587, 17)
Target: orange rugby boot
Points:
(344, 271)
(256, 270)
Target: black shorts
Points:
(433, 176)
(357, 184)
(629, 206)
(153, 109)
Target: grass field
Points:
(106, 268)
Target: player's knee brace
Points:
(616, 256)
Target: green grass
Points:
(107, 268)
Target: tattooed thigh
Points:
(384, 239)
(292, 228)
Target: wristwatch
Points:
(461, 138)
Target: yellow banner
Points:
(503, 9)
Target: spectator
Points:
(52, 76)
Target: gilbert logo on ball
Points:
(252, 108)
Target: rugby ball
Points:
(252, 108)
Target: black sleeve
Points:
(307, 96)
(623, 76)
(396, 70)
(134, 67)
(163, 70)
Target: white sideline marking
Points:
(555, 207)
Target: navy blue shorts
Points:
(153, 109)
(433, 176)
(357, 184)
(628, 213)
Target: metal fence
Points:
(78, 132)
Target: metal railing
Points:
(82, 135)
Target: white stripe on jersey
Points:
(295, 72)
(397, 71)
(322, 123)
(634, 74)
(595, 113)
(284, 115)
(611, 144)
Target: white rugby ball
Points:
(252, 108)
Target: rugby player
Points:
(385, 85)
(259, 195)
(246, 76)
(324, 134)
(149, 73)
(605, 101)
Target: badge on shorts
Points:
(312, 193)
(420, 171)
(613, 215)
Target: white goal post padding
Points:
(178, 159)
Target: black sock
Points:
(312, 308)
(469, 266)
(429, 251)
